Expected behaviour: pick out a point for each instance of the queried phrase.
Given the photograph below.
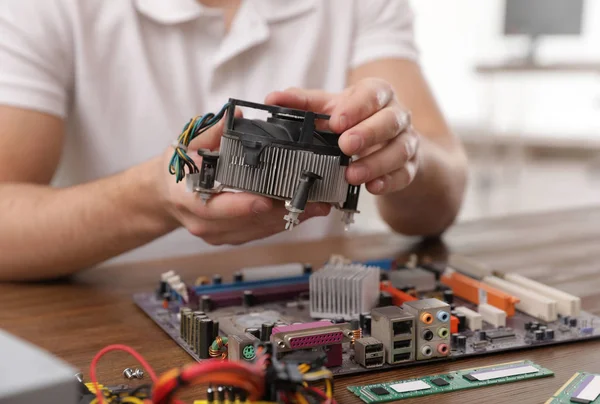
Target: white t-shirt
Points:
(127, 74)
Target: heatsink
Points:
(343, 290)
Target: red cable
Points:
(117, 347)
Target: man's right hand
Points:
(230, 217)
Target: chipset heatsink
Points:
(343, 290)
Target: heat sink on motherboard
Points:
(343, 290)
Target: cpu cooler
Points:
(285, 157)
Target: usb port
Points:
(371, 363)
(402, 327)
(401, 357)
(374, 348)
(402, 344)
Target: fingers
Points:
(376, 129)
(394, 156)
(231, 205)
(307, 100)
(394, 181)
(359, 102)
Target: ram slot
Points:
(492, 315)
(532, 303)
(566, 304)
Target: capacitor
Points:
(573, 322)
(194, 329)
(354, 324)
(238, 277)
(454, 341)
(217, 279)
(542, 328)
(205, 337)
(449, 296)
(549, 334)
(215, 330)
(534, 326)
(539, 335)
(482, 335)
(384, 276)
(462, 342)
(308, 269)
(565, 320)
(266, 330)
(339, 320)
(462, 321)
(385, 299)
(365, 320)
(249, 299)
(162, 288)
(254, 331)
(206, 303)
(527, 326)
(221, 394)
(184, 312)
(210, 394)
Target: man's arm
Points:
(48, 232)
(430, 204)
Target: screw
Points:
(133, 374)
(128, 373)
(79, 377)
(138, 373)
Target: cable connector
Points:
(177, 145)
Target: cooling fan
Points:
(285, 157)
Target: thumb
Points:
(211, 138)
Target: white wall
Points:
(455, 35)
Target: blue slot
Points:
(236, 286)
(385, 264)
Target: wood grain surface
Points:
(77, 317)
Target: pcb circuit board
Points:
(333, 309)
(582, 388)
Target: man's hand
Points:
(373, 125)
(229, 217)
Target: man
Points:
(92, 91)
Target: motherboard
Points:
(365, 316)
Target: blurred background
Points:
(519, 82)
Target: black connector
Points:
(305, 183)
(208, 170)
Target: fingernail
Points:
(260, 207)
(330, 105)
(378, 186)
(412, 171)
(354, 143)
(411, 146)
(359, 172)
(343, 121)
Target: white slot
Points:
(499, 373)
(407, 387)
(492, 315)
(531, 302)
(272, 272)
(566, 304)
(474, 319)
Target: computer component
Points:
(284, 157)
(530, 302)
(369, 352)
(241, 347)
(420, 279)
(343, 290)
(492, 315)
(395, 328)
(452, 381)
(289, 305)
(566, 304)
(31, 375)
(474, 320)
(582, 388)
(432, 327)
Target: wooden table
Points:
(75, 319)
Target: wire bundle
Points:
(195, 127)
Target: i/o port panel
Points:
(432, 328)
(396, 330)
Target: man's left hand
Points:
(373, 126)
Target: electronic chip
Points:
(438, 381)
(380, 391)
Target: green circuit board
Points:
(452, 381)
(581, 388)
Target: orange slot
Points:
(398, 296)
(453, 324)
(468, 289)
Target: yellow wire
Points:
(300, 398)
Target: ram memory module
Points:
(582, 388)
(452, 381)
